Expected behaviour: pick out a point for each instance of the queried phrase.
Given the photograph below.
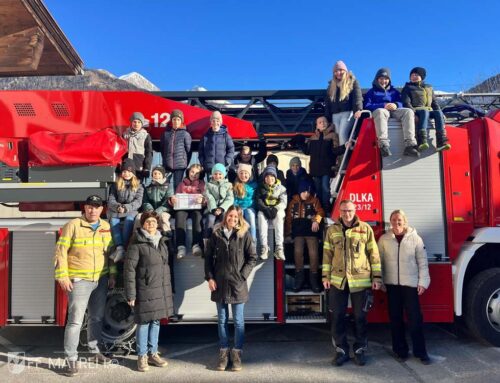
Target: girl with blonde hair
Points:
(343, 100)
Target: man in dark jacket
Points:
(385, 101)
(419, 96)
(176, 147)
(216, 146)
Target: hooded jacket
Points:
(247, 201)
(350, 255)
(146, 277)
(323, 148)
(419, 96)
(229, 262)
(300, 215)
(271, 196)
(352, 103)
(157, 194)
(404, 263)
(216, 147)
(377, 96)
(293, 181)
(176, 148)
(191, 187)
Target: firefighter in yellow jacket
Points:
(351, 267)
(84, 272)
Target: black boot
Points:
(299, 280)
(422, 140)
(314, 281)
(442, 141)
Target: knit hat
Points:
(420, 71)
(128, 164)
(305, 186)
(270, 170)
(177, 113)
(245, 168)
(219, 168)
(272, 158)
(383, 72)
(340, 65)
(160, 169)
(295, 160)
(138, 116)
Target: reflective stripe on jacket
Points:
(351, 256)
(82, 252)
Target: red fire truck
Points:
(452, 198)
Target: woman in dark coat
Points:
(230, 257)
(148, 289)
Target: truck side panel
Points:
(493, 160)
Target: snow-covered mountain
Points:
(139, 81)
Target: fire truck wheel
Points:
(482, 306)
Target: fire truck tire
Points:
(482, 306)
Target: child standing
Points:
(124, 201)
(244, 195)
(323, 147)
(303, 218)
(216, 146)
(192, 184)
(219, 195)
(420, 97)
(140, 145)
(271, 202)
(176, 147)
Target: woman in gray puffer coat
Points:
(405, 273)
(148, 289)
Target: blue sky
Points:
(286, 44)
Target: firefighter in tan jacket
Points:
(351, 267)
(84, 271)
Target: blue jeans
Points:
(249, 215)
(322, 186)
(423, 120)
(85, 295)
(122, 235)
(147, 337)
(239, 324)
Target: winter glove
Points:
(273, 212)
(118, 254)
(267, 212)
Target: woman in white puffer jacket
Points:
(405, 274)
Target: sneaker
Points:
(71, 368)
(236, 359)
(181, 252)
(142, 363)
(279, 254)
(385, 151)
(445, 146)
(223, 359)
(360, 358)
(423, 146)
(340, 358)
(264, 253)
(156, 360)
(99, 359)
(411, 151)
(425, 360)
(196, 250)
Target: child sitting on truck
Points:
(244, 195)
(140, 145)
(303, 218)
(271, 203)
(124, 201)
(219, 195)
(420, 97)
(192, 184)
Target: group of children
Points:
(295, 205)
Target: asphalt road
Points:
(272, 353)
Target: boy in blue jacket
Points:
(384, 101)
